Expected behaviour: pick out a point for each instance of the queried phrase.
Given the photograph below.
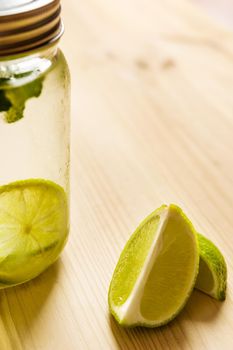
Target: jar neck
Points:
(21, 69)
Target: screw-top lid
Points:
(28, 24)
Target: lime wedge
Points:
(212, 276)
(156, 271)
(33, 228)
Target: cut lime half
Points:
(33, 228)
(156, 271)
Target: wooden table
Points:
(152, 123)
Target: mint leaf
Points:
(4, 102)
(13, 101)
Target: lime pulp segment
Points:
(173, 272)
(133, 258)
(212, 277)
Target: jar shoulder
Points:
(26, 69)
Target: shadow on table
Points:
(199, 308)
(202, 308)
(20, 306)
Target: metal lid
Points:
(28, 24)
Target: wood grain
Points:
(152, 123)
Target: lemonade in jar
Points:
(34, 139)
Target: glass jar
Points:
(34, 140)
